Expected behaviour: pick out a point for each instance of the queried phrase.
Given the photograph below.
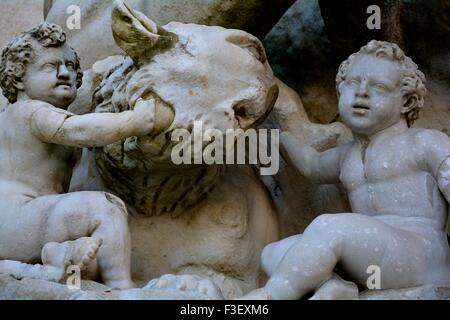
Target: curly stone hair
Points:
(413, 81)
(20, 51)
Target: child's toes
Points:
(95, 246)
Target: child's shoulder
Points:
(31, 106)
(426, 140)
(425, 136)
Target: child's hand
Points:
(151, 117)
(144, 116)
(163, 118)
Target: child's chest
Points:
(378, 162)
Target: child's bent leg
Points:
(89, 214)
(356, 241)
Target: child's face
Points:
(370, 98)
(51, 76)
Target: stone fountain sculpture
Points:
(197, 231)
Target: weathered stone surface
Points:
(428, 292)
(33, 289)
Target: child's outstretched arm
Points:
(323, 167)
(437, 157)
(58, 126)
(444, 178)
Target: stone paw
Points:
(187, 283)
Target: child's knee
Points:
(330, 223)
(80, 213)
(107, 207)
(321, 224)
(329, 230)
(98, 202)
(116, 203)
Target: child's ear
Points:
(339, 88)
(410, 102)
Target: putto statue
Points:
(40, 221)
(397, 179)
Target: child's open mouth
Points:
(360, 109)
(63, 84)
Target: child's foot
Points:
(336, 288)
(81, 252)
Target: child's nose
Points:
(363, 89)
(63, 72)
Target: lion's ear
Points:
(133, 32)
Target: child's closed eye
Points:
(352, 82)
(381, 87)
(70, 65)
(49, 67)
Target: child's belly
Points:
(406, 196)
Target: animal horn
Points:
(135, 33)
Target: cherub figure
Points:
(39, 221)
(397, 179)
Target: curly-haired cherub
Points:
(397, 179)
(39, 222)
